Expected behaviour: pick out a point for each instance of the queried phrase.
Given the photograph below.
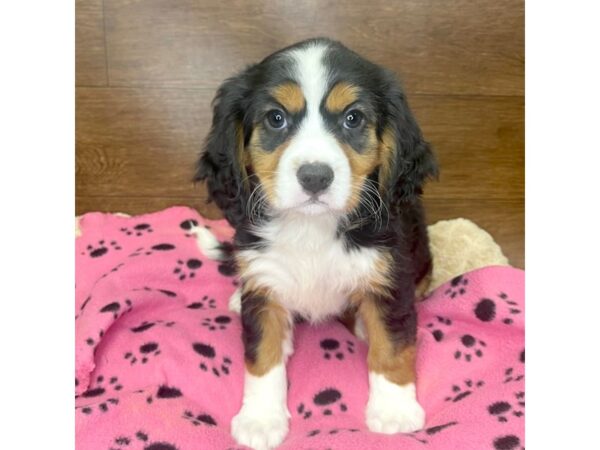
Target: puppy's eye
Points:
(276, 119)
(353, 119)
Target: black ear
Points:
(412, 161)
(221, 163)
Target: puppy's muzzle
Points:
(314, 177)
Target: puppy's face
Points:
(313, 128)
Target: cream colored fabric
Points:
(458, 246)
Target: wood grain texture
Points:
(143, 99)
(90, 52)
(457, 47)
(144, 142)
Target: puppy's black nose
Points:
(315, 177)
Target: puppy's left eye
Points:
(276, 119)
(353, 119)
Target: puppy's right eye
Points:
(276, 119)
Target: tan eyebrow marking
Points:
(290, 96)
(342, 95)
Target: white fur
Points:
(393, 408)
(235, 301)
(207, 242)
(262, 423)
(306, 267)
(360, 330)
(313, 142)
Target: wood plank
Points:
(90, 52)
(453, 46)
(503, 219)
(144, 205)
(144, 142)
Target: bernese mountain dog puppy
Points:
(316, 160)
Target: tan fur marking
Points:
(289, 95)
(361, 165)
(387, 154)
(422, 286)
(264, 164)
(395, 362)
(274, 329)
(341, 96)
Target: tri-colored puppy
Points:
(317, 162)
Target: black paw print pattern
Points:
(511, 376)
(459, 393)
(486, 309)
(113, 270)
(210, 361)
(327, 401)
(101, 249)
(422, 435)
(436, 329)
(472, 346)
(101, 407)
(100, 390)
(200, 419)
(332, 348)
(116, 308)
(204, 303)
(314, 433)
(165, 292)
(122, 442)
(146, 350)
(458, 286)
(502, 410)
(139, 229)
(145, 325)
(216, 323)
(187, 225)
(164, 247)
(164, 392)
(187, 269)
(508, 442)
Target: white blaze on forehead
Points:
(312, 142)
(311, 74)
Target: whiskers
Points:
(369, 202)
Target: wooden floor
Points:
(147, 71)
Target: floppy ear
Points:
(221, 163)
(408, 158)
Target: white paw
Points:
(260, 431)
(235, 301)
(399, 418)
(393, 408)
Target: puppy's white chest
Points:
(307, 267)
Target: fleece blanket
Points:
(159, 360)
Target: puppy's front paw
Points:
(393, 408)
(383, 416)
(260, 431)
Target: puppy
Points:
(315, 159)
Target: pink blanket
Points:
(159, 362)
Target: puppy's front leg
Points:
(391, 332)
(262, 423)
